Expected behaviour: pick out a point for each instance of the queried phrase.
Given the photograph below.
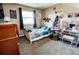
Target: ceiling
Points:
(38, 5)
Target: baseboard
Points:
(21, 35)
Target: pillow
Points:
(45, 28)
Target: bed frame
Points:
(28, 35)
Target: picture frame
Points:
(76, 14)
(70, 15)
(13, 14)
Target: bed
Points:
(37, 33)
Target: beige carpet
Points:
(46, 46)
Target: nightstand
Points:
(55, 33)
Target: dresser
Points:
(9, 44)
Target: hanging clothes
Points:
(56, 24)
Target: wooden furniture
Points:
(55, 33)
(8, 39)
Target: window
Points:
(28, 17)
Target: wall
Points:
(66, 8)
(13, 6)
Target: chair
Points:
(68, 38)
(77, 41)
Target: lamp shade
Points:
(7, 19)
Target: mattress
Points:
(39, 32)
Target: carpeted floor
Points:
(46, 46)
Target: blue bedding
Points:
(39, 32)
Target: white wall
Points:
(66, 8)
(13, 6)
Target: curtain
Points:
(21, 19)
(34, 19)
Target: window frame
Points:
(28, 17)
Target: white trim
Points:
(21, 35)
(40, 37)
(27, 34)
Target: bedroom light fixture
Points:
(7, 19)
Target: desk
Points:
(72, 33)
